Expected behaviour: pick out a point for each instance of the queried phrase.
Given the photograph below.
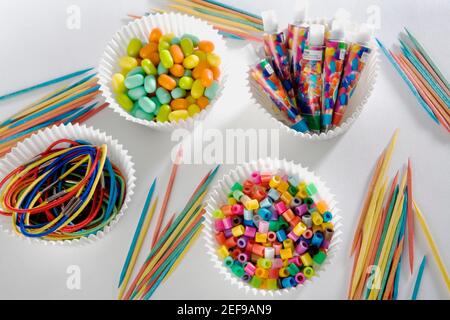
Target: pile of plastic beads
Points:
(274, 232)
(69, 191)
(168, 78)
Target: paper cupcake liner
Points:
(38, 142)
(218, 196)
(356, 104)
(140, 28)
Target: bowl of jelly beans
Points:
(272, 226)
(164, 71)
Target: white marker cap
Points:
(300, 11)
(337, 30)
(270, 21)
(364, 34)
(316, 35)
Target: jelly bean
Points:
(163, 96)
(146, 50)
(177, 70)
(202, 102)
(124, 101)
(155, 34)
(150, 84)
(200, 54)
(128, 63)
(187, 46)
(166, 59)
(157, 104)
(117, 83)
(163, 45)
(195, 40)
(162, 69)
(177, 53)
(148, 67)
(178, 104)
(136, 93)
(216, 72)
(207, 77)
(197, 72)
(134, 46)
(146, 104)
(178, 115)
(167, 37)
(154, 58)
(175, 40)
(193, 109)
(166, 82)
(197, 89)
(206, 46)
(190, 100)
(178, 93)
(186, 83)
(190, 62)
(134, 81)
(141, 114)
(187, 73)
(163, 114)
(137, 70)
(211, 91)
(213, 59)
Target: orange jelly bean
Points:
(155, 34)
(146, 50)
(154, 58)
(197, 72)
(176, 53)
(206, 77)
(179, 104)
(177, 70)
(216, 72)
(206, 46)
(166, 82)
(202, 102)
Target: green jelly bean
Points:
(136, 93)
(186, 83)
(134, 81)
(150, 84)
(162, 69)
(137, 70)
(134, 46)
(178, 93)
(146, 104)
(163, 95)
(163, 114)
(124, 101)
(163, 45)
(149, 67)
(195, 40)
(197, 89)
(166, 59)
(187, 46)
(211, 91)
(188, 73)
(141, 114)
(156, 101)
(175, 40)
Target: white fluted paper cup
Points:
(355, 107)
(26, 150)
(140, 28)
(218, 196)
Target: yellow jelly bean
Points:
(197, 89)
(124, 101)
(163, 45)
(177, 115)
(213, 59)
(167, 37)
(148, 67)
(166, 59)
(193, 109)
(190, 62)
(163, 114)
(190, 100)
(187, 46)
(117, 83)
(200, 54)
(128, 63)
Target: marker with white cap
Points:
(276, 52)
(355, 61)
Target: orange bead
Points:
(207, 77)
(216, 72)
(206, 46)
(176, 53)
(177, 70)
(197, 72)
(202, 102)
(146, 50)
(179, 104)
(154, 58)
(166, 82)
(155, 34)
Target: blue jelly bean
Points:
(136, 93)
(162, 70)
(157, 104)
(195, 40)
(211, 91)
(137, 70)
(175, 40)
(163, 95)
(134, 81)
(146, 104)
(187, 73)
(141, 114)
(150, 84)
(178, 93)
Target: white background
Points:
(37, 46)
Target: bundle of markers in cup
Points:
(311, 74)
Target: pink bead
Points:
(300, 278)
(277, 263)
(227, 223)
(237, 209)
(256, 177)
(301, 210)
(218, 225)
(271, 236)
(293, 236)
(250, 268)
(295, 260)
(301, 247)
(280, 207)
(263, 226)
(277, 247)
(325, 244)
(307, 234)
(250, 232)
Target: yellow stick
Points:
(137, 248)
(432, 245)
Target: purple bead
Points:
(301, 247)
(242, 242)
(301, 209)
(242, 257)
(227, 233)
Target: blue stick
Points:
(419, 278)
